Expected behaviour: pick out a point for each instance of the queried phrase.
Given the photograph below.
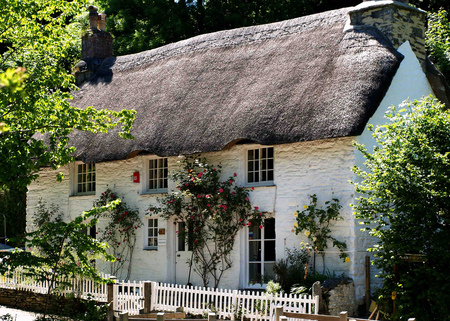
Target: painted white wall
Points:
(320, 167)
(410, 83)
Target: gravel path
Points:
(18, 315)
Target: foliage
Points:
(405, 203)
(213, 211)
(60, 250)
(120, 231)
(13, 207)
(438, 41)
(6, 317)
(35, 56)
(314, 222)
(293, 269)
(138, 25)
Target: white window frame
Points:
(86, 183)
(160, 188)
(267, 182)
(151, 235)
(262, 261)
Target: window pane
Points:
(270, 152)
(264, 153)
(250, 177)
(254, 272)
(250, 166)
(268, 272)
(250, 155)
(255, 231)
(150, 232)
(263, 176)
(270, 163)
(269, 229)
(256, 176)
(155, 241)
(256, 153)
(269, 251)
(181, 241)
(155, 222)
(254, 251)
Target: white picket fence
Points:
(128, 297)
(228, 303)
(82, 288)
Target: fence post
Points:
(110, 301)
(123, 316)
(234, 303)
(278, 313)
(343, 316)
(160, 316)
(211, 316)
(147, 296)
(283, 318)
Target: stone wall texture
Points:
(398, 22)
(36, 302)
(342, 298)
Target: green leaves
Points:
(405, 203)
(314, 222)
(36, 118)
(438, 40)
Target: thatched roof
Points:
(297, 80)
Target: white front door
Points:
(184, 274)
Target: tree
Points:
(59, 251)
(35, 48)
(212, 211)
(438, 41)
(404, 201)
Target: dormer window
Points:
(260, 166)
(85, 179)
(157, 175)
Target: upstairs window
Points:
(85, 179)
(157, 174)
(260, 165)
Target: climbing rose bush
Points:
(213, 210)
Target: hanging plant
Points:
(120, 232)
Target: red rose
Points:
(231, 181)
(220, 190)
(200, 175)
(256, 208)
(186, 184)
(235, 174)
(249, 223)
(260, 227)
(253, 188)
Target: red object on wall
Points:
(136, 177)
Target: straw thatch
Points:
(297, 80)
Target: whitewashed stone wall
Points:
(320, 167)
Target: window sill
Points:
(258, 185)
(82, 196)
(155, 192)
(150, 250)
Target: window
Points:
(152, 234)
(187, 240)
(260, 165)
(261, 252)
(85, 179)
(157, 174)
